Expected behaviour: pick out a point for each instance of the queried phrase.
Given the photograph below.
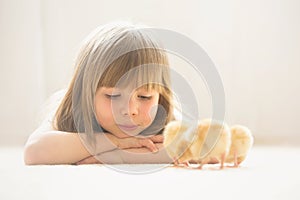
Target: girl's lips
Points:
(127, 127)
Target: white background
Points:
(255, 45)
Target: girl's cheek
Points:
(150, 112)
(103, 111)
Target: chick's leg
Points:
(202, 163)
(186, 164)
(235, 160)
(236, 164)
(222, 160)
(176, 163)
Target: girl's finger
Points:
(149, 144)
(157, 138)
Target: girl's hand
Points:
(137, 142)
(148, 142)
(130, 157)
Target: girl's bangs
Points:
(146, 68)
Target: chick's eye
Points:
(112, 96)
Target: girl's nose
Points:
(130, 108)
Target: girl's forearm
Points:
(57, 147)
(54, 147)
(135, 156)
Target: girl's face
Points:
(125, 112)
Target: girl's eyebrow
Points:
(150, 92)
(117, 90)
(110, 88)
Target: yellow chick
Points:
(213, 145)
(207, 142)
(177, 140)
(241, 142)
(203, 142)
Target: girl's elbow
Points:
(35, 150)
(29, 157)
(32, 155)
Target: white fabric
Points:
(268, 173)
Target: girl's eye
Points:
(144, 97)
(112, 96)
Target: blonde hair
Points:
(114, 52)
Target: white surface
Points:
(268, 173)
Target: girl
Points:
(115, 107)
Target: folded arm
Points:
(130, 156)
(46, 146)
(57, 147)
